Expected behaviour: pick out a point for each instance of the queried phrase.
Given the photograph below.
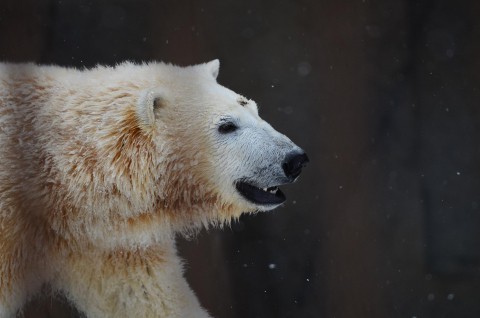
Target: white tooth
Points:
(273, 191)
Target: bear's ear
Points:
(213, 67)
(148, 104)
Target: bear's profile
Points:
(100, 168)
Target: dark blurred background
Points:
(384, 97)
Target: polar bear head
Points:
(215, 157)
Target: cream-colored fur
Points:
(99, 169)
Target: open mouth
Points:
(260, 196)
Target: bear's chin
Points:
(266, 208)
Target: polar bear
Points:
(101, 168)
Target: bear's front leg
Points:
(140, 282)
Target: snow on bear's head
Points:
(215, 157)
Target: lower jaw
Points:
(263, 200)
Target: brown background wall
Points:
(384, 97)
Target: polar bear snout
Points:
(293, 164)
(263, 189)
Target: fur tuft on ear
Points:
(148, 102)
(213, 67)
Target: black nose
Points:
(293, 164)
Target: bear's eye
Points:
(227, 127)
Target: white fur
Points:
(100, 168)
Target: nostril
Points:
(293, 164)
